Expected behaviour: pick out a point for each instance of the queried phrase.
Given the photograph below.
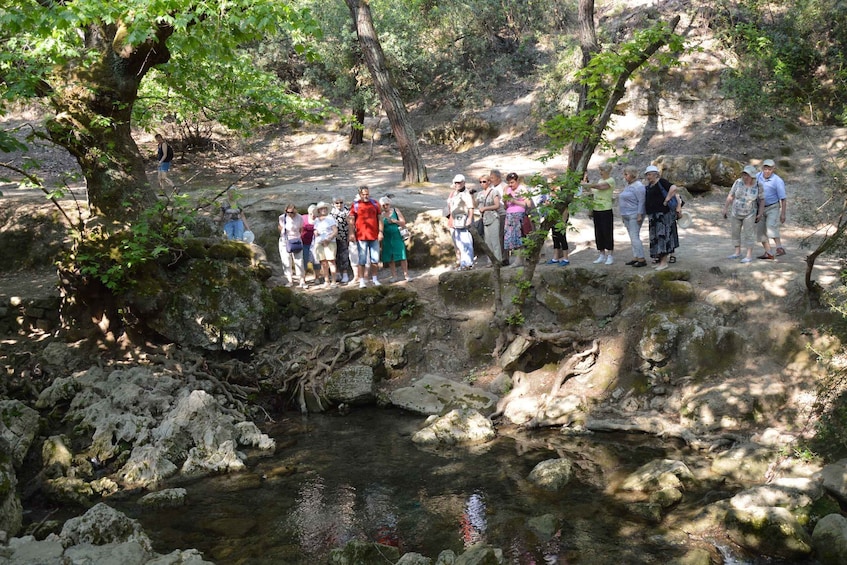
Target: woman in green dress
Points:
(393, 246)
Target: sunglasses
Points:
(483, 182)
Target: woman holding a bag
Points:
(517, 202)
(291, 244)
(393, 246)
(664, 238)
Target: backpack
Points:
(170, 156)
(370, 201)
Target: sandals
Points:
(766, 256)
(672, 259)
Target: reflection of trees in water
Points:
(325, 520)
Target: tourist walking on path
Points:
(631, 209)
(291, 245)
(601, 213)
(366, 230)
(164, 156)
(775, 206)
(664, 238)
(393, 246)
(461, 206)
(745, 205)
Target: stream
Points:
(335, 478)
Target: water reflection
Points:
(361, 477)
(473, 522)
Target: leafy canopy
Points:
(209, 70)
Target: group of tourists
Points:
(343, 244)
(501, 213)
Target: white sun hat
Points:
(685, 220)
(248, 237)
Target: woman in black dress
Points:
(664, 238)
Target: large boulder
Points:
(724, 170)
(552, 474)
(431, 395)
(830, 539)
(689, 171)
(210, 303)
(11, 511)
(167, 424)
(456, 427)
(352, 384)
(18, 426)
(770, 531)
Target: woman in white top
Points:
(324, 246)
(291, 245)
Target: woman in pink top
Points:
(517, 203)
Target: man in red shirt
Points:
(366, 231)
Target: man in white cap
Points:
(775, 205)
(461, 207)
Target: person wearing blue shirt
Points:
(774, 214)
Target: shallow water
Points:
(335, 478)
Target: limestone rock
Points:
(481, 554)
(545, 526)
(834, 478)
(168, 498)
(724, 170)
(353, 384)
(456, 427)
(432, 394)
(100, 525)
(771, 495)
(414, 559)
(689, 171)
(358, 551)
(18, 426)
(770, 531)
(657, 475)
(552, 474)
(747, 462)
(830, 539)
(11, 512)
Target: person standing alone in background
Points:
(164, 154)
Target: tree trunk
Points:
(357, 128)
(93, 110)
(588, 46)
(414, 170)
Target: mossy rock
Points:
(674, 292)
(466, 288)
(228, 250)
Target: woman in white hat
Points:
(747, 201)
(326, 228)
(664, 238)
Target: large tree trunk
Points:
(93, 109)
(588, 46)
(413, 167)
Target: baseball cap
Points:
(651, 169)
(768, 163)
(459, 178)
(750, 170)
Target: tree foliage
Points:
(790, 57)
(88, 59)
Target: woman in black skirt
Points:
(664, 238)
